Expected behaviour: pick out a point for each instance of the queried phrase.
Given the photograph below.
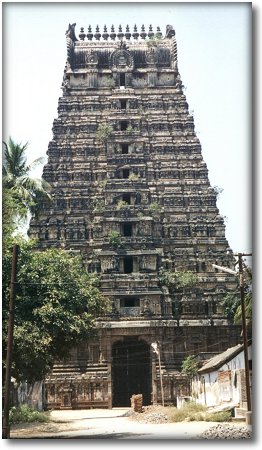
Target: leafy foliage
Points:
(232, 302)
(177, 283)
(178, 280)
(56, 300)
(153, 41)
(122, 205)
(218, 190)
(129, 128)
(114, 238)
(190, 411)
(55, 307)
(248, 300)
(11, 210)
(155, 208)
(133, 177)
(104, 132)
(98, 204)
(190, 366)
(25, 414)
(219, 416)
(22, 194)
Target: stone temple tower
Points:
(131, 193)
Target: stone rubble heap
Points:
(150, 414)
(156, 417)
(226, 431)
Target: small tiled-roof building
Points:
(222, 378)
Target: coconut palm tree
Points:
(21, 192)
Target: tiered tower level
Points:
(131, 193)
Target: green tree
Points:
(114, 238)
(22, 193)
(232, 303)
(248, 300)
(190, 366)
(104, 131)
(56, 304)
(178, 283)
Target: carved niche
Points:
(151, 57)
(91, 59)
(122, 59)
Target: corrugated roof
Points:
(218, 360)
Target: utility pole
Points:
(9, 350)
(243, 313)
(244, 327)
(157, 351)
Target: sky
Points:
(214, 61)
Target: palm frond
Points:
(14, 158)
(37, 162)
(27, 194)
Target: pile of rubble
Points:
(226, 431)
(150, 414)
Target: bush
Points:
(195, 412)
(133, 177)
(104, 132)
(122, 204)
(221, 416)
(190, 411)
(26, 414)
(114, 238)
(155, 208)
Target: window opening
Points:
(123, 125)
(122, 79)
(126, 173)
(129, 302)
(128, 264)
(126, 198)
(124, 148)
(123, 104)
(127, 229)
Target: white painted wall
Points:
(207, 390)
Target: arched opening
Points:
(131, 371)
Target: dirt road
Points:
(106, 424)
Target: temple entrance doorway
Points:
(131, 371)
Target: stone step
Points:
(238, 419)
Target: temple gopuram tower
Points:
(131, 193)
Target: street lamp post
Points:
(157, 351)
(243, 311)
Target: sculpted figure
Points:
(170, 32)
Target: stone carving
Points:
(168, 220)
(122, 59)
(151, 57)
(91, 59)
(170, 32)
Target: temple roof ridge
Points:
(113, 33)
